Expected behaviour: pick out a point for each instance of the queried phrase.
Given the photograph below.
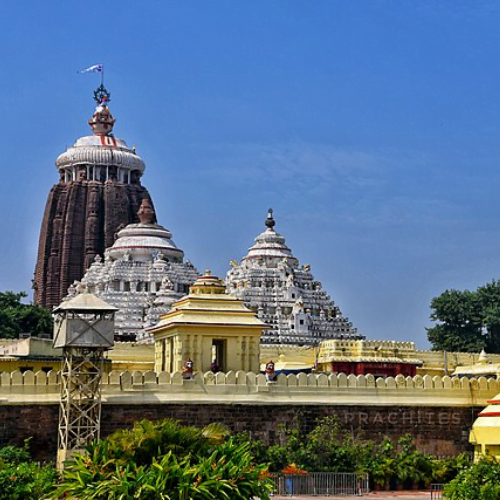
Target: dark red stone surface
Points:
(80, 221)
(438, 430)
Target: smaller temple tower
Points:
(285, 295)
(142, 274)
(209, 329)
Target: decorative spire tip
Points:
(102, 95)
(102, 121)
(270, 222)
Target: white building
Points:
(143, 273)
(285, 295)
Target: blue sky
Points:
(371, 127)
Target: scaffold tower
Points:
(83, 328)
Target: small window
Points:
(301, 321)
(293, 295)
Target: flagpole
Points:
(102, 75)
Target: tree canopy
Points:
(17, 317)
(467, 321)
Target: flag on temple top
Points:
(96, 68)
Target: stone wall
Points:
(438, 429)
(438, 412)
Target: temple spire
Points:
(102, 121)
(270, 222)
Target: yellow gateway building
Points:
(214, 330)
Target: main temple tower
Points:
(99, 191)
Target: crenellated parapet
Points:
(372, 349)
(439, 362)
(233, 387)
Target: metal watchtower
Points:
(83, 328)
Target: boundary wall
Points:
(249, 388)
(437, 411)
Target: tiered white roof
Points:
(284, 295)
(143, 273)
(99, 150)
(102, 156)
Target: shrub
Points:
(165, 461)
(23, 479)
(15, 454)
(446, 469)
(329, 448)
(480, 481)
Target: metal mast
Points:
(83, 328)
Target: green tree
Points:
(489, 300)
(467, 320)
(17, 317)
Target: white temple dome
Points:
(98, 150)
(142, 274)
(140, 241)
(270, 244)
(102, 156)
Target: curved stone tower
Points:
(284, 295)
(99, 191)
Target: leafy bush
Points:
(329, 448)
(446, 469)
(26, 481)
(16, 455)
(149, 439)
(165, 461)
(480, 481)
(23, 479)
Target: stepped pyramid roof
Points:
(285, 295)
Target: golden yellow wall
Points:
(9, 365)
(294, 354)
(242, 347)
(132, 356)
